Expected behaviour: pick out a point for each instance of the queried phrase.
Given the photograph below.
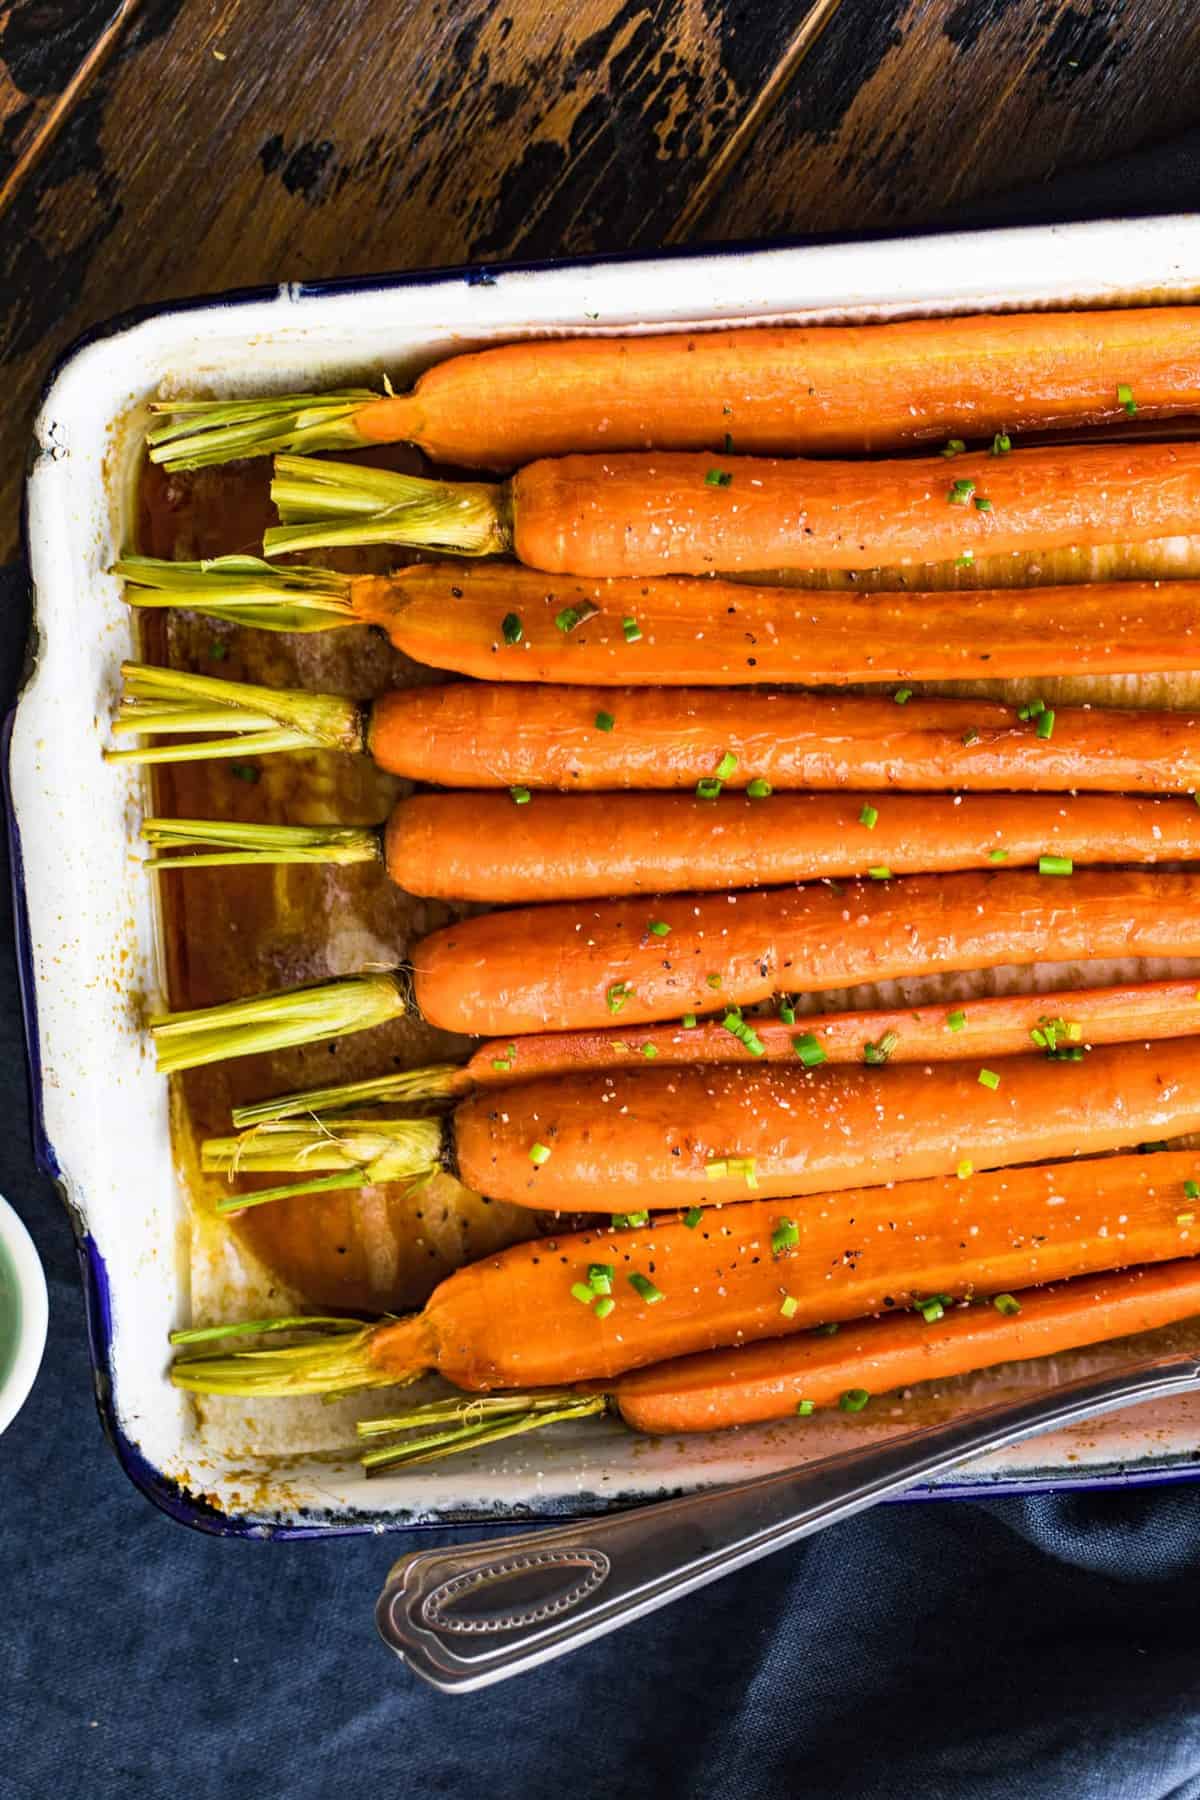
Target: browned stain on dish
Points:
(233, 932)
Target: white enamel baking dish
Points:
(86, 913)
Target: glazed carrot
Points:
(659, 1138)
(682, 514)
(501, 623)
(512, 1320)
(839, 388)
(1063, 1024)
(769, 1381)
(597, 963)
(496, 735)
(472, 846)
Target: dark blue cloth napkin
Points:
(1037, 1649)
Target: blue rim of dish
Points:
(177, 1501)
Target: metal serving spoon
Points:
(472, 1614)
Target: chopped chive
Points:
(571, 616)
(964, 559)
(632, 630)
(1125, 398)
(982, 503)
(604, 721)
(1001, 444)
(970, 736)
(1055, 865)
(600, 1277)
(960, 493)
(650, 1051)
(693, 1216)
(1192, 1190)
(502, 1064)
(604, 1305)
(931, 1310)
(729, 443)
(880, 872)
(810, 1052)
(902, 696)
(988, 1078)
(520, 796)
(869, 816)
(1045, 725)
(617, 994)
(1032, 709)
(789, 1306)
(1007, 1304)
(1187, 1218)
(249, 772)
(854, 1399)
(658, 928)
(718, 478)
(965, 1168)
(726, 766)
(645, 1289)
(997, 855)
(714, 981)
(805, 1408)
(1152, 1149)
(953, 447)
(218, 651)
(539, 1154)
(708, 789)
(787, 1013)
(511, 628)
(879, 1052)
(758, 789)
(630, 1221)
(956, 1021)
(717, 1169)
(785, 1236)
(689, 1021)
(830, 1330)
(582, 1292)
(743, 1166)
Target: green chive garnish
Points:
(970, 735)
(805, 1408)
(789, 1306)
(1006, 1304)
(1045, 725)
(582, 1292)
(630, 1221)
(787, 1013)
(1188, 1218)
(617, 994)
(714, 981)
(785, 1236)
(604, 721)
(718, 478)
(689, 1021)
(964, 560)
(632, 630)
(729, 443)
(511, 628)
(708, 789)
(726, 766)
(809, 1051)
(965, 1169)
(693, 1216)
(249, 772)
(538, 1154)
(600, 1277)
(931, 1310)
(758, 789)
(645, 1289)
(988, 1078)
(520, 796)
(953, 447)
(869, 816)
(218, 651)
(1055, 865)
(854, 1399)
(830, 1330)
(571, 616)
(658, 928)
(960, 493)
(956, 1021)
(604, 1305)
(1192, 1190)
(997, 855)
(880, 872)
(902, 696)
(1125, 398)
(1001, 444)
(880, 1051)
(650, 1051)
(982, 503)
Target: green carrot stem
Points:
(304, 1015)
(202, 432)
(244, 590)
(438, 1081)
(157, 700)
(227, 844)
(292, 1190)
(330, 1364)
(519, 1413)
(369, 1150)
(332, 503)
(203, 1334)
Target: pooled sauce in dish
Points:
(238, 931)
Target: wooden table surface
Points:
(173, 147)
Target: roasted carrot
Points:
(827, 388)
(504, 623)
(677, 1137)
(770, 1381)
(513, 1319)
(1062, 1024)
(473, 846)
(493, 735)
(598, 963)
(578, 965)
(682, 514)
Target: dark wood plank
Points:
(50, 50)
(907, 107)
(230, 143)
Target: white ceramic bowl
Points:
(24, 1314)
